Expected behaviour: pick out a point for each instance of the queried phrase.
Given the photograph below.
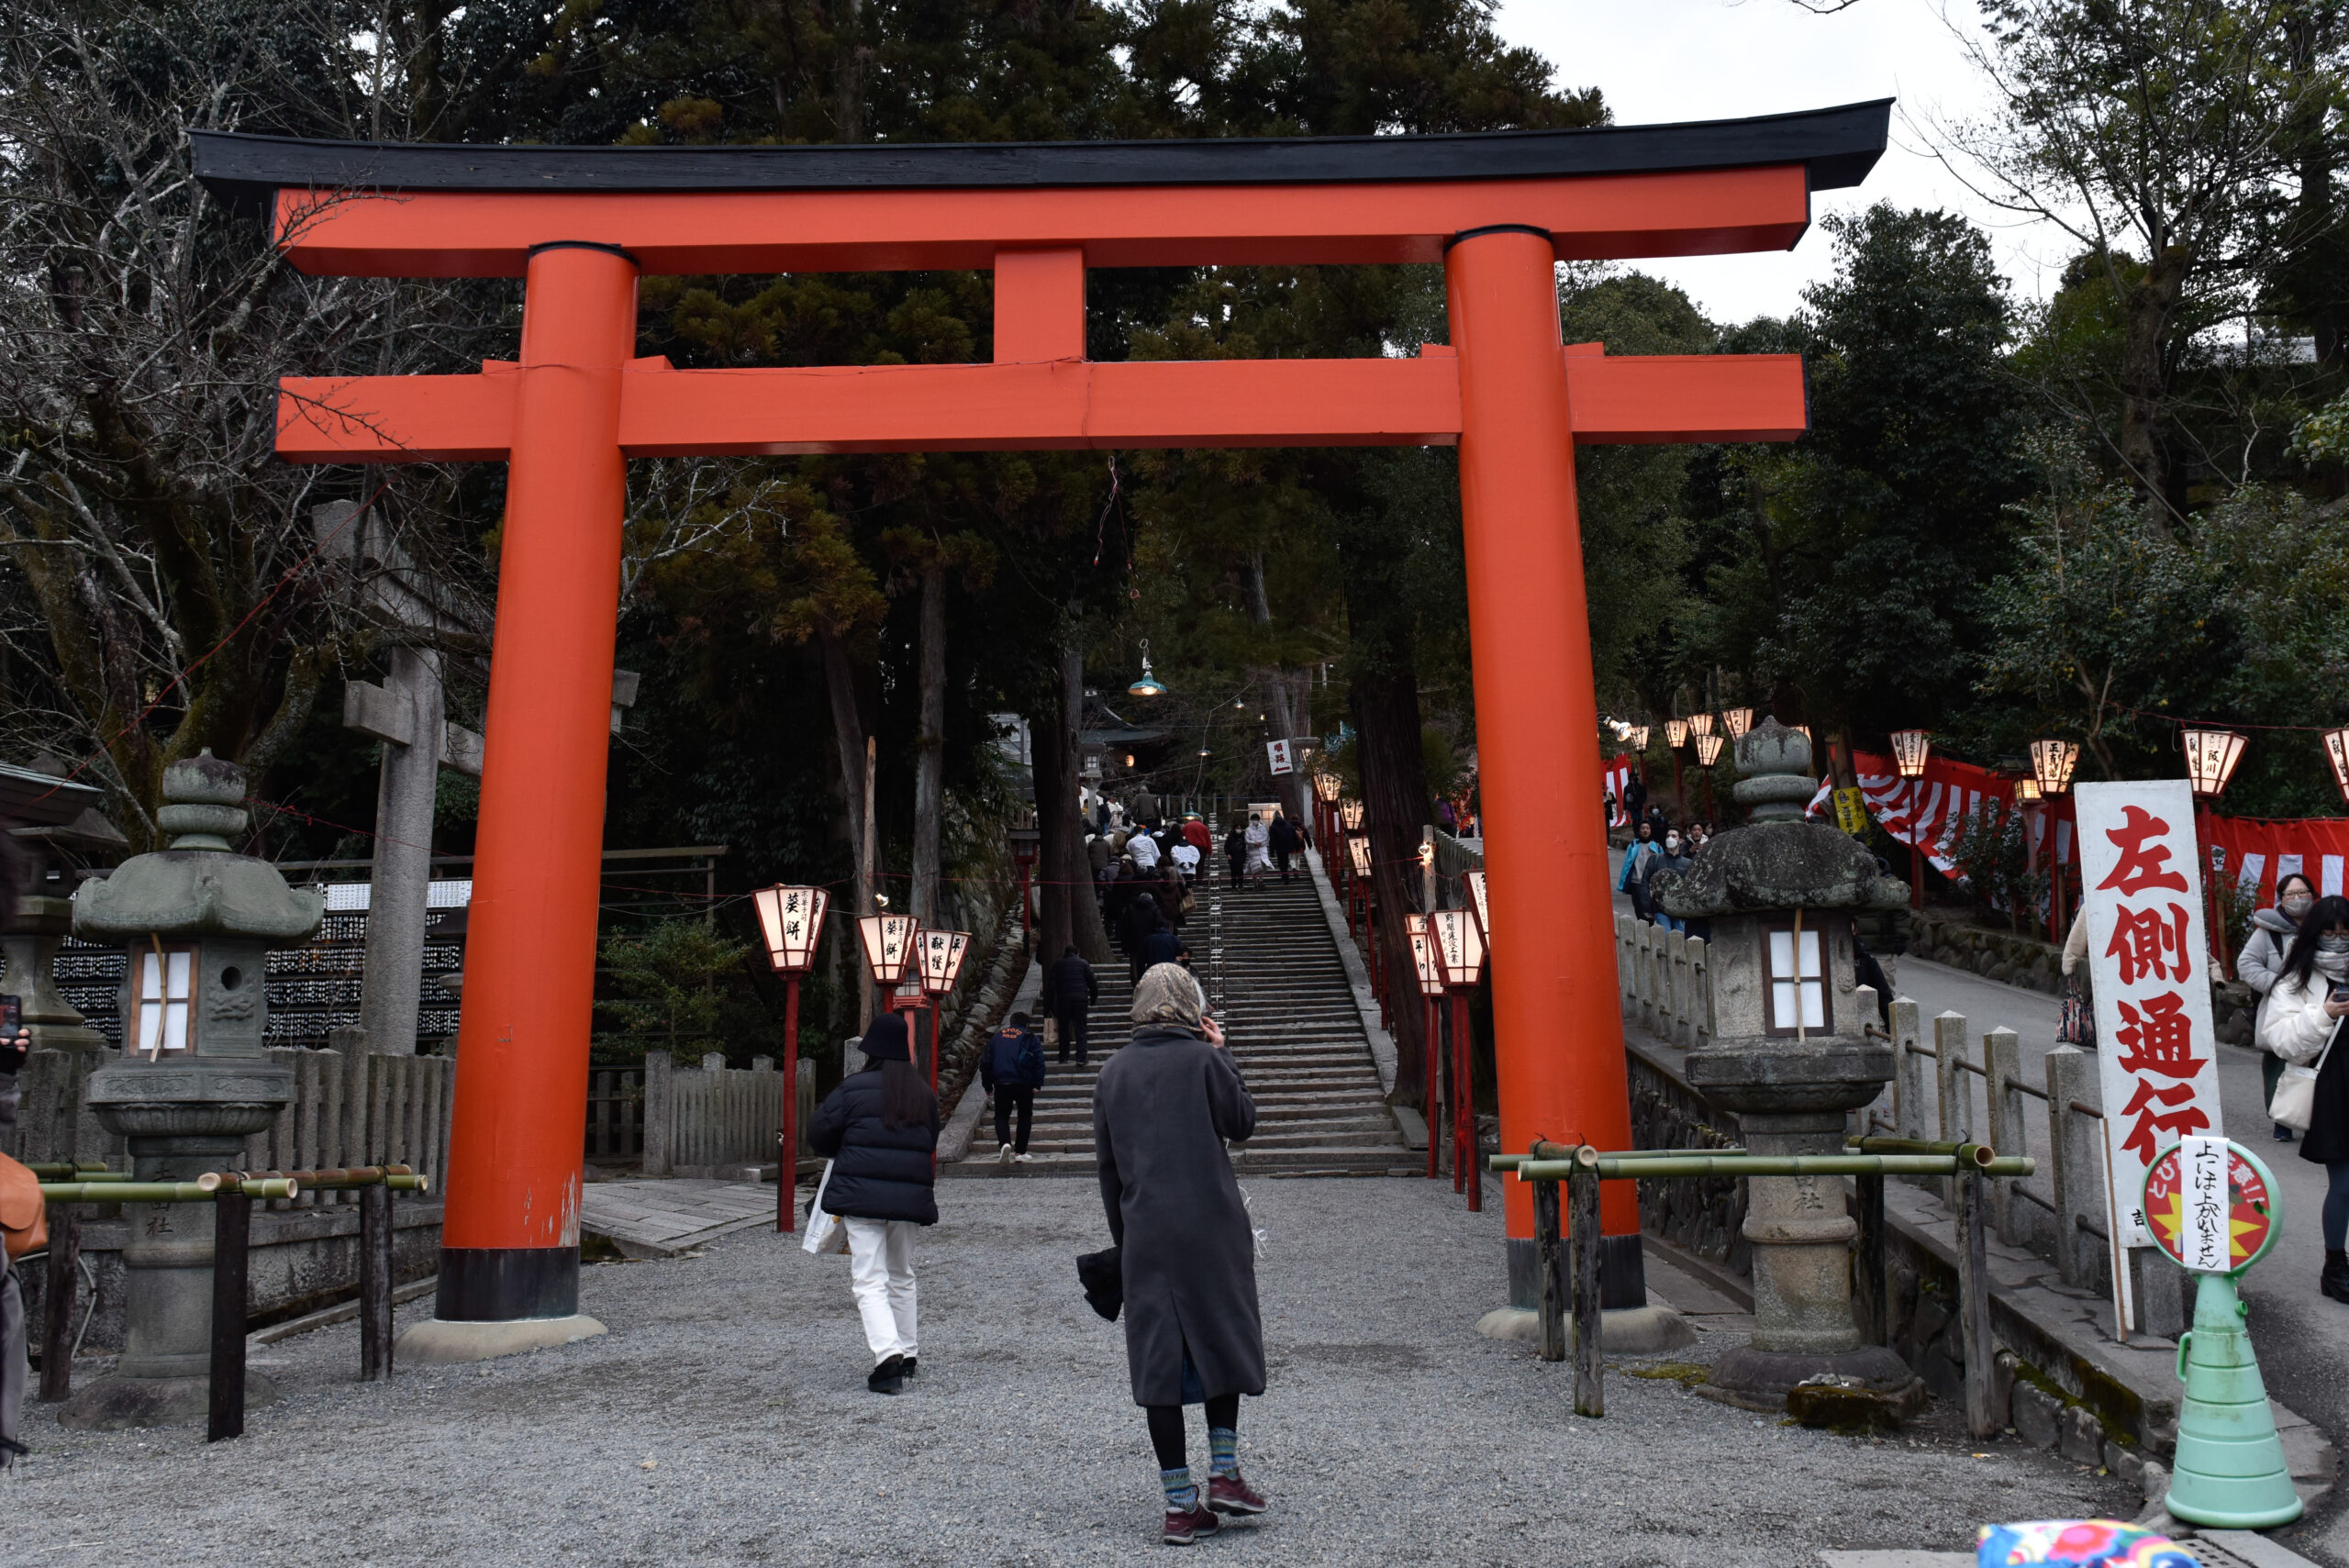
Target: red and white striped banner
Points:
(1617, 774)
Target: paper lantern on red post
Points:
(791, 919)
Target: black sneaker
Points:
(889, 1377)
(909, 1369)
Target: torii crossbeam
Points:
(581, 224)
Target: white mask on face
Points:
(1672, 841)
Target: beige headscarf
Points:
(1169, 994)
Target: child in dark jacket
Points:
(1012, 1068)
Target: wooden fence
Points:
(364, 1109)
(717, 1119)
(615, 1114)
(1667, 982)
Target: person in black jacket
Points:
(1235, 850)
(1284, 842)
(1070, 990)
(880, 1130)
(1142, 917)
(1012, 1070)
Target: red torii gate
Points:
(581, 224)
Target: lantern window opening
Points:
(1459, 946)
(1709, 749)
(2026, 791)
(1474, 882)
(1737, 721)
(1638, 736)
(1701, 724)
(2336, 751)
(163, 1002)
(1797, 976)
(1350, 813)
(942, 960)
(791, 922)
(2052, 762)
(889, 941)
(1675, 733)
(1358, 846)
(1910, 748)
(1424, 966)
(2211, 759)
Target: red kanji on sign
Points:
(2142, 864)
(2159, 1039)
(2146, 943)
(2153, 1128)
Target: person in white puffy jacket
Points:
(2304, 1013)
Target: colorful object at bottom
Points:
(2077, 1543)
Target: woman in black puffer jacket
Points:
(880, 1130)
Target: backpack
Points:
(24, 1213)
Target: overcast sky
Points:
(1659, 61)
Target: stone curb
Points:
(1382, 1044)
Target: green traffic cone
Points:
(2230, 1472)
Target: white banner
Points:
(1281, 760)
(2149, 961)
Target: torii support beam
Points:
(582, 224)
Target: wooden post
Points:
(1956, 1095)
(2002, 1062)
(231, 1235)
(1549, 1259)
(1974, 1301)
(1908, 1073)
(660, 1090)
(1464, 1135)
(1583, 1226)
(56, 1301)
(376, 1283)
(2075, 1169)
(1871, 1299)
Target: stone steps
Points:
(1296, 1035)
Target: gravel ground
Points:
(724, 1420)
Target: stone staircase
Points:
(1289, 1014)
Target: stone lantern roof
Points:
(1780, 862)
(199, 887)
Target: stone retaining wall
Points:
(2035, 965)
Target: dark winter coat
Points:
(1014, 1060)
(1161, 1112)
(1285, 840)
(878, 1173)
(1069, 983)
(1142, 917)
(1163, 945)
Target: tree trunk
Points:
(1291, 784)
(2148, 308)
(849, 113)
(930, 748)
(848, 732)
(1395, 792)
(1069, 915)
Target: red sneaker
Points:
(1185, 1527)
(1232, 1495)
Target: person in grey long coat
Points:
(1160, 1113)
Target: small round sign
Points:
(2197, 1224)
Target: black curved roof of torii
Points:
(1839, 146)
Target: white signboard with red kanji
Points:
(2149, 961)
(1279, 752)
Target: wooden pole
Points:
(57, 1302)
(376, 1283)
(1974, 1301)
(1550, 1257)
(231, 1235)
(1463, 1063)
(1435, 1088)
(1868, 1292)
(1583, 1229)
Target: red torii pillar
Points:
(580, 224)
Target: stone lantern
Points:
(1790, 1058)
(58, 828)
(194, 1078)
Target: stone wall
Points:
(1705, 1216)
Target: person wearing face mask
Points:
(2303, 1015)
(1673, 856)
(2262, 962)
(1634, 878)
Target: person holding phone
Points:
(1162, 1112)
(2302, 1018)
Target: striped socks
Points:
(1182, 1497)
(1224, 1444)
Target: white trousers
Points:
(881, 1267)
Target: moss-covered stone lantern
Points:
(194, 1078)
(1790, 1056)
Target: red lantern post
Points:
(791, 921)
(2052, 762)
(941, 966)
(1459, 954)
(1431, 974)
(1910, 748)
(2211, 759)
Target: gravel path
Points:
(724, 1420)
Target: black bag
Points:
(1102, 1275)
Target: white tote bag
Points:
(2294, 1103)
(825, 1232)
